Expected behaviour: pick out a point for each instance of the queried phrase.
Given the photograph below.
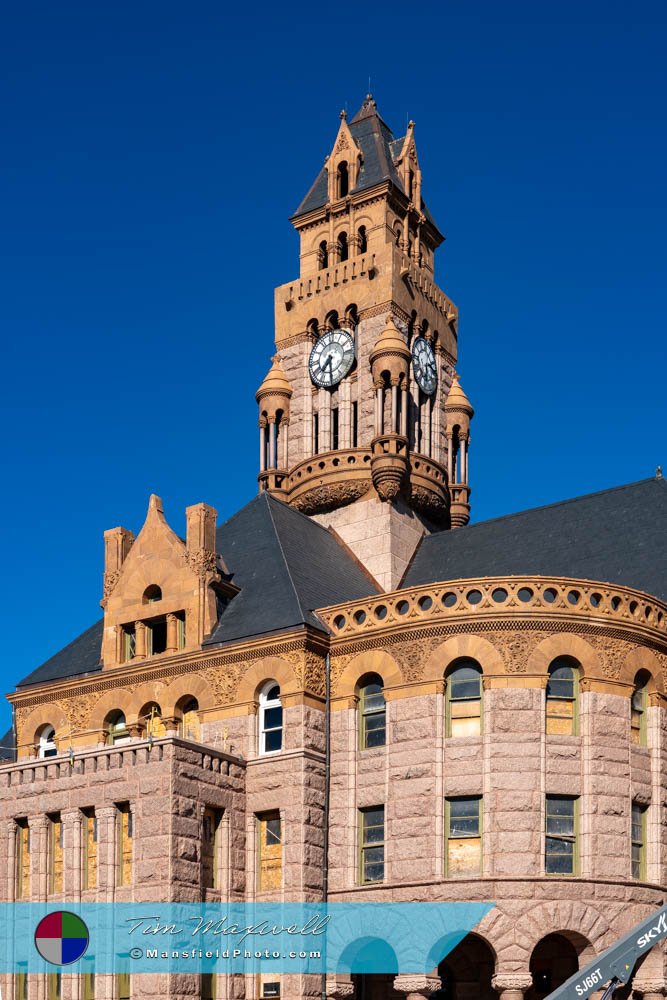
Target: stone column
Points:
(172, 632)
(140, 641)
(106, 852)
(416, 987)
(12, 861)
(72, 820)
(262, 448)
(273, 462)
(39, 856)
(513, 985)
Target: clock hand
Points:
(328, 364)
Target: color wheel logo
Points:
(61, 938)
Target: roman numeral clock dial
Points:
(331, 358)
(424, 366)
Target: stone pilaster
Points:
(39, 857)
(10, 840)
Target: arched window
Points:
(362, 239)
(116, 727)
(398, 235)
(151, 718)
(270, 719)
(463, 693)
(323, 255)
(47, 742)
(372, 712)
(190, 725)
(343, 178)
(152, 594)
(562, 698)
(343, 248)
(638, 708)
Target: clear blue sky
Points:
(152, 153)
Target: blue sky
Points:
(152, 153)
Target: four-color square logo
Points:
(61, 938)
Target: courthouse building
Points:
(346, 690)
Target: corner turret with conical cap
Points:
(368, 346)
(459, 414)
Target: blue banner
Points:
(297, 938)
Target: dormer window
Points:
(47, 742)
(343, 180)
(152, 594)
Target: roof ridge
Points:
(562, 503)
(303, 611)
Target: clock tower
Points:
(363, 423)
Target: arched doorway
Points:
(467, 971)
(373, 986)
(554, 959)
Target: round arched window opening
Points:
(116, 727)
(463, 698)
(373, 712)
(152, 594)
(270, 719)
(47, 742)
(562, 697)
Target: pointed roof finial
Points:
(658, 472)
(343, 114)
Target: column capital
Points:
(415, 987)
(339, 991)
(38, 822)
(72, 815)
(646, 987)
(106, 812)
(512, 982)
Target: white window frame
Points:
(47, 742)
(265, 705)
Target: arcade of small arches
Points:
(524, 963)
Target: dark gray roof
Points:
(616, 536)
(82, 656)
(379, 150)
(286, 566)
(7, 748)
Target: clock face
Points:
(424, 367)
(331, 358)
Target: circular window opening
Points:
(550, 595)
(360, 617)
(525, 594)
(573, 596)
(633, 607)
(615, 603)
(381, 612)
(403, 607)
(474, 596)
(339, 622)
(499, 595)
(595, 600)
(449, 599)
(425, 603)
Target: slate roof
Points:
(285, 564)
(7, 749)
(81, 656)
(615, 536)
(379, 150)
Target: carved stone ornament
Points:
(203, 563)
(515, 647)
(646, 986)
(323, 498)
(339, 991)
(612, 656)
(111, 578)
(514, 981)
(416, 987)
(413, 656)
(430, 503)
